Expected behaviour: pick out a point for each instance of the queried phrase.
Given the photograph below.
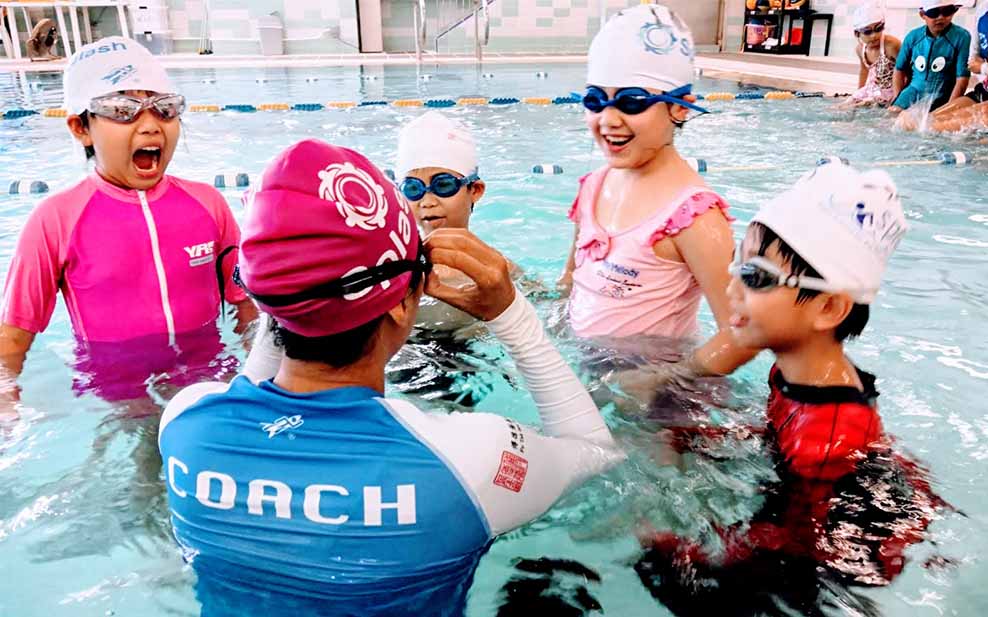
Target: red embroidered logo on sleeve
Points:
(511, 473)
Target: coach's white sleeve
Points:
(264, 358)
(512, 473)
(564, 405)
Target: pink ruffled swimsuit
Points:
(620, 287)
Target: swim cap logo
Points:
(340, 181)
(659, 39)
(119, 74)
(872, 222)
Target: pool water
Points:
(84, 527)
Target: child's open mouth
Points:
(146, 160)
(434, 221)
(616, 143)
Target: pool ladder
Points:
(454, 13)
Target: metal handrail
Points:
(480, 5)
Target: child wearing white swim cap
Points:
(651, 237)
(437, 171)
(807, 271)
(810, 265)
(877, 53)
(138, 255)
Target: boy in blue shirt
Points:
(933, 61)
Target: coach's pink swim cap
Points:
(328, 243)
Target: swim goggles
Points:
(873, 30)
(125, 109)
(347, 285)
(944, 11)
(441, 185)
(760, 274)
(633, 101)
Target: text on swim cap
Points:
(325, 504)
(102, 49)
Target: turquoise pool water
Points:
(83, 519)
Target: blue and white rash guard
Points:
(363, 505)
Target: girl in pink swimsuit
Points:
(651, 237)
(138, 255)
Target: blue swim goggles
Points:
(441, 185)
(633, 101)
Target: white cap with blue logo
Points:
(111, 65)
(645, 46)
(843, 222)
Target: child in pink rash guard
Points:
(138, 255)
(651, 237)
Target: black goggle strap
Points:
(221, 280)
(350, 284)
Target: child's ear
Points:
(679, 113)
(477, 190)
(79, 131)
(832, 311)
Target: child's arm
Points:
(963, 73)
(707, 247)
(862, 69)
(565, 282)
(902, 65)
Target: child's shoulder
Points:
(204, 193)
(70, 198)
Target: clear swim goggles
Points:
(633, 101)
(124, 108)
(442, 185)
(760, 274)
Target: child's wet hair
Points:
(855, 322)
(84, 119)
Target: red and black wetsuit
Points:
(846, 502)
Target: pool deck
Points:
(831, 76)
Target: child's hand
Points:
(489, 291)
(565, 283)
(975, 65)
(906, 122)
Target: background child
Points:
(877, 54)
(651, 237)
(140, 256)
(969, 112)
(933, 60)
(809, 268)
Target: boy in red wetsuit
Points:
(810, 265)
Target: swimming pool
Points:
(83, 519)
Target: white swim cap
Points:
(867, 14)
(434, 140)
(844, 223)
(645, 46)
(110, 65)
(936, 4)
